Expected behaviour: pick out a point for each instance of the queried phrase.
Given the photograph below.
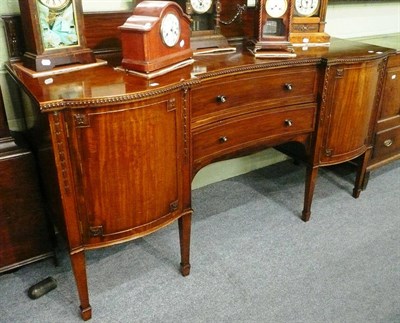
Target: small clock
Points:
(272, 25)
(308, 22)
(306, 8)
(276, 8)
(205, 24)
(156, 36)
(201, 6)
(54, 34)
(170, 29)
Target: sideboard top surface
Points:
(106, 85)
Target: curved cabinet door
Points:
(348, 110)
(129, 169)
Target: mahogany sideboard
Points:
(122, 150)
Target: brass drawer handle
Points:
(288, 86)
(388, 142)
(223, 139)
(221, 98)
(288, 123)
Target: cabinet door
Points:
(349, 104)
(391, 96)
(129, 170)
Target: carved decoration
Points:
(82, 120)
(96, 231)
(128, 98)
(340, 73)
(61, 150)
(185, 124)
(171, 105)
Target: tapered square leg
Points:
(79, 268)
(311, 178)
(184, 238)
(361, 173)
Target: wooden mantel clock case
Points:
(125, 149)
(54, 34)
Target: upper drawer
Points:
(394, 61)
(249, 92)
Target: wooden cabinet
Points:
(122, 162)
(387, 128)
(127, 161)
(348, 110)
(124, 149)
(25, 234)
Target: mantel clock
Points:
(205, 24)
(272, 23)
(156, 36)
(54, 34)
(308, 22)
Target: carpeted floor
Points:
(253, 259)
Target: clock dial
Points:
(276, 8)
(306, 8)
(170, 29)
(55, 4)
(201, 6)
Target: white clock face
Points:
(306, 8)
(55, 4)
(276, 8)
(201, 6)
(170, 29)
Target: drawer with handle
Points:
(387, 143)
(239, 133)
(244, 93)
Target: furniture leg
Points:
(79, 267)
(361, 173)
(184, 223)
(366, 180)
(311, 177)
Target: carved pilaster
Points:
(60, 150)
(185, 123)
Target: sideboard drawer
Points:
(245, 93)
(238, 133)
(394, 61)
(387, 142)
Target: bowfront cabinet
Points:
(124, 149)
(128, 167)
(122, 169)
(350, 94)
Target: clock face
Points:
(58, 28)
(276, 8)
(201, 6)
(170, 29)
(55, 4)
(306, 8)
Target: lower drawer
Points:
(234, 134)
(387, 143)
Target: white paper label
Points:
(46, 62)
